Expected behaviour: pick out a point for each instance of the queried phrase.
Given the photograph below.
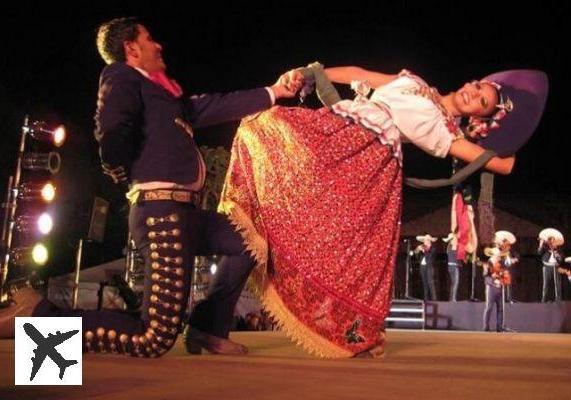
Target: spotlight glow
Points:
(45, 223)
(213, 268)
(48, 192)
(59, 136)
(40, 254)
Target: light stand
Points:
(10, 211)
(473, 283)
(15, 191)
(78, 255)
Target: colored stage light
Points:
(42, 223)
(29, 191)
(27, 256)
(48, 192)
(40, 254)
(39, 131)
(45, 223)
(59, 135)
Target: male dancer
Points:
(144, 128)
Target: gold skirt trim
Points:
(259, 283)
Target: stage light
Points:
(213, 268)
(42, 161)
(39, 131)
(40, 254)
(26, 256)
(48, 192)
(29, 223)
(59, 135)
(45, 223)
(29, 191)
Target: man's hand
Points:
(118, 175)
(288, 84)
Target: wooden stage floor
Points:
(417, 365)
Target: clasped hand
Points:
(288, 84)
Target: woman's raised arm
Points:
(348, 74)
(468, 151)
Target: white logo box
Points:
(65, 353)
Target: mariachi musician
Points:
(425, 253)
(550, 241)
(496, 277)
(504, 240)
(453, 263)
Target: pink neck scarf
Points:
(161, 78)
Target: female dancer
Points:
(316, 195)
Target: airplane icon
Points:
(46, 347)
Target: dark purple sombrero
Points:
(528, 91)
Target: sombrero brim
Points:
(500, 236)
(552, 232)
(424, 237)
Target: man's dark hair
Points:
(111, 36)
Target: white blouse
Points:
(402, 110)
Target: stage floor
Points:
(418, 364)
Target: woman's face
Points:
(476, 99)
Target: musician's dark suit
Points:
(426, 264)
(136, 130)
(494, 292)
(550, 275)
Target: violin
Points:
(497, 271)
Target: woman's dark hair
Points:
(111, 36)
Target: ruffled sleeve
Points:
(422, 123)
(416, 116)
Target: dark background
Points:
(49, 68)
